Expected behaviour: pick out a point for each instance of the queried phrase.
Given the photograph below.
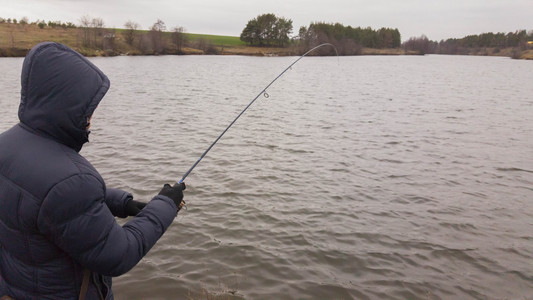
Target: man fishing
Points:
(58, 235)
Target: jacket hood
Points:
(60, 91)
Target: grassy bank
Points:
(17, 39)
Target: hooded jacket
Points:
(57, 218)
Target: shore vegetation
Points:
(265, 35)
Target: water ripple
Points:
(389, 178)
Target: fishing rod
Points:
(264, 93)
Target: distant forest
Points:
(519, 40)
(269, 30)
(348, 40)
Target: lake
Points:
(366, 177)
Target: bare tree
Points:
(159, 25)
(85, 30)
(178, 37)
(418, 44)
(97, 25)
(130, 32)
(91, 31)
(156, 35)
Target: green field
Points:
(217, 40)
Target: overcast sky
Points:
(437, 19)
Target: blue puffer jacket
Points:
(57, 217)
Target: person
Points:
(59, 238)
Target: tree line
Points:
(517, 40)
(268, 30)
(156, 40)
(347, 39)
(93, 38)
(40, 23)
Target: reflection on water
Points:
(359, 177)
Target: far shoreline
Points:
(16, 40)
(267, 52)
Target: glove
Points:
(134, 207)
(175, 193)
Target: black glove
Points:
(134, 207)
(175, 193)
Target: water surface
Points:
(358, 178)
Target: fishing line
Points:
(264, 94)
